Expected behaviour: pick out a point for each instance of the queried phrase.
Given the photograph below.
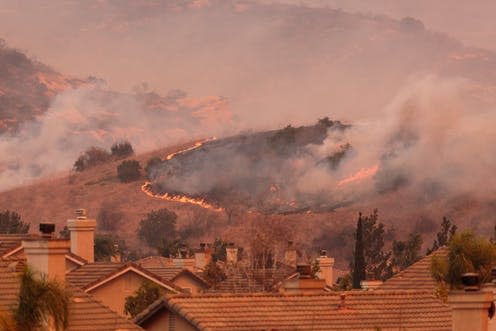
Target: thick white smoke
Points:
(95, 116)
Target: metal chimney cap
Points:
(81, 213)
(47, 230)
(471, 281)
(323, 252)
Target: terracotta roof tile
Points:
(417, 276)
(388, 310)
(85, 312)
(242, 279)
(10, 242)
(92, 274)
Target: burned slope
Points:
(260, 171)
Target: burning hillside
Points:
(261, 171)
(427, 151)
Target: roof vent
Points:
(81, 214)
(47, 229)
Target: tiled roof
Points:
(88, 314)
(9, 284)
(91, 272)
(85, 313)
(242, 279)
(9, 242)
(362, 310)
(417, 276)
(168, 272)
(91, 275)
(161, 266)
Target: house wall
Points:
(113, 294)
(185, 281)
(161, 321)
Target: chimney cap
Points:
(81, 213)
(323, 252)
(470, 281)
(47, 229)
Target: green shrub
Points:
(128, 171)
(10, 222)
(122, 149)
(90, 158)
(144, 296)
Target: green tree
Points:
(144, 296)
(122, 149)
(90, 158)
(377, 264)
(41, 302)
(466, 253)
(405, 253)
(359, 255)
(128, 171)
(10, 222)
(213, 274)
(219, 249)
(105, 247)
(158, 229)
(448, 229)
(65, 233)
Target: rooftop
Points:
(362, 310)
(417, 276)
(85, 312)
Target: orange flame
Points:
(359, 176)
(195, 146)
(146, 187)
(178, 198)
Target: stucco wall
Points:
(113, 294)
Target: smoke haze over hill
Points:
(420, 103)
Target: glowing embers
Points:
(359, 176)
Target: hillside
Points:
(98, 188)
(27, 88)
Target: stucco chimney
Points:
(290, 255)
(470, 306)
(82, 232)
(202, 256)
(46, 255)
(231, 253)
(326, 265)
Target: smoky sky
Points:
(420, 99)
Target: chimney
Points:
(290, 255)
(470, 306)
(47, 255)
(202, 256)
(116, 257)
(304, 283)
(231, 253)
(82, 232)
(326, 265)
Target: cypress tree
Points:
(359, 258)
